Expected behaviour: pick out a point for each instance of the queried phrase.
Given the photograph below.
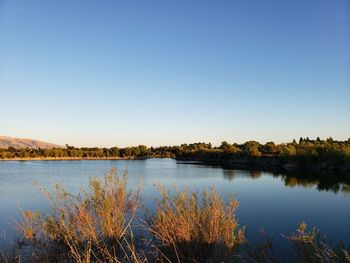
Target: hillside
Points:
(6, 142)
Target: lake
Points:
(278, 203)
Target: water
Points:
(275, 202)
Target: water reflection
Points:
(332, 183)
(336, 183)
(291, 197)
(230, 174)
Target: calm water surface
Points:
(272, 202)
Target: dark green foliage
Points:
(307, 154)
(320, 154)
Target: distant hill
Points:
(6, 142)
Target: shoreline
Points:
(269, 165)
(226, 164)
(72, 158)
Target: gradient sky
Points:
(122, 73)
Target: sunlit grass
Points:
(310, 247)
(190, 228)
(96, 225)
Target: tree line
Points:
(304, 151)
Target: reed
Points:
(94, 225)
(310, 247)
(192, 229)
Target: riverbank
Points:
(263, 163)
(267, 163)
(305, 155)
(73, 158)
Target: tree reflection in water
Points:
(335, 183)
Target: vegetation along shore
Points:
(305, 154)
(104, 223)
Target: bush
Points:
(95, 225)
(190, 229)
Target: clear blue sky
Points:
(168, 72)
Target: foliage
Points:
(311, 248)
(189, 229)
(97, 225)
(94, 225)
(317, 154)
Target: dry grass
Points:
(94, 225)
(192, 229)
(10, 256)
(310, 248)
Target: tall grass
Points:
(192, 229)
(310, 247)
(94, 225)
